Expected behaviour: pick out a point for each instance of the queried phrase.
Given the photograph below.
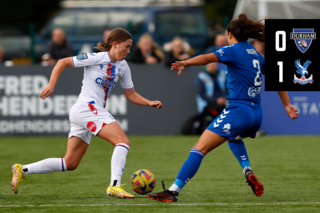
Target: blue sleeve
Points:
(226, 54)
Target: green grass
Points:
(287, 166)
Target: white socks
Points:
(118, 162)
(49, 165)
(174, 188)
(45, 166)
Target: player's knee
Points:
(203, 150)
(126, 141)
(123, 139)
(71, 165)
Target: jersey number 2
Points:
(257, 79)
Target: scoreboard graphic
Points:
(292, 53)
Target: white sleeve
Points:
(85, 59)
(125, 79)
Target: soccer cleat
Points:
(253, 181)
(118, 191)
(17, 177)
(164, 196)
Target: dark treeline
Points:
(18, 14)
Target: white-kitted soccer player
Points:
(102, 71)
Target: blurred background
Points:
(35, 34)
(24, 37)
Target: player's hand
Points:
(178, 65)
(47, 91)
(292, 112)
(156, 104)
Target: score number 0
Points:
(280, 49)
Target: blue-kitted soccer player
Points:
(243, 116)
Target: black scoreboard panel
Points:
(292, 54)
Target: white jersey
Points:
(100, 76)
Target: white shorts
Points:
(87, 119)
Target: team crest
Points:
(226, 128)
(302, 70)
(303, 38)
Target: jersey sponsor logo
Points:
(108, 81)
(92, 126)
(82, 56)
(303, 38)
(104, 82)
(302, 70)
(254, 91)
(226, 128)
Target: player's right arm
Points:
(198, 60)
(291, 110)
(56, 72)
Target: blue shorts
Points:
(239, 118)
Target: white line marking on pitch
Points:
(172, 204)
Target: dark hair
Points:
(243, 28)
(118, 34)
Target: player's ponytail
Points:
(117, 35)
(243, 28)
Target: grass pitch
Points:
(287, 166)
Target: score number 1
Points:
(280, 64)
(280, 49)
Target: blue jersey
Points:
(244, 67)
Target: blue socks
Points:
(239, 150)
(192, 164)
(188, 170)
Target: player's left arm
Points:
(135, 98)
(291, 110)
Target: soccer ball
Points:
(143, 181)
